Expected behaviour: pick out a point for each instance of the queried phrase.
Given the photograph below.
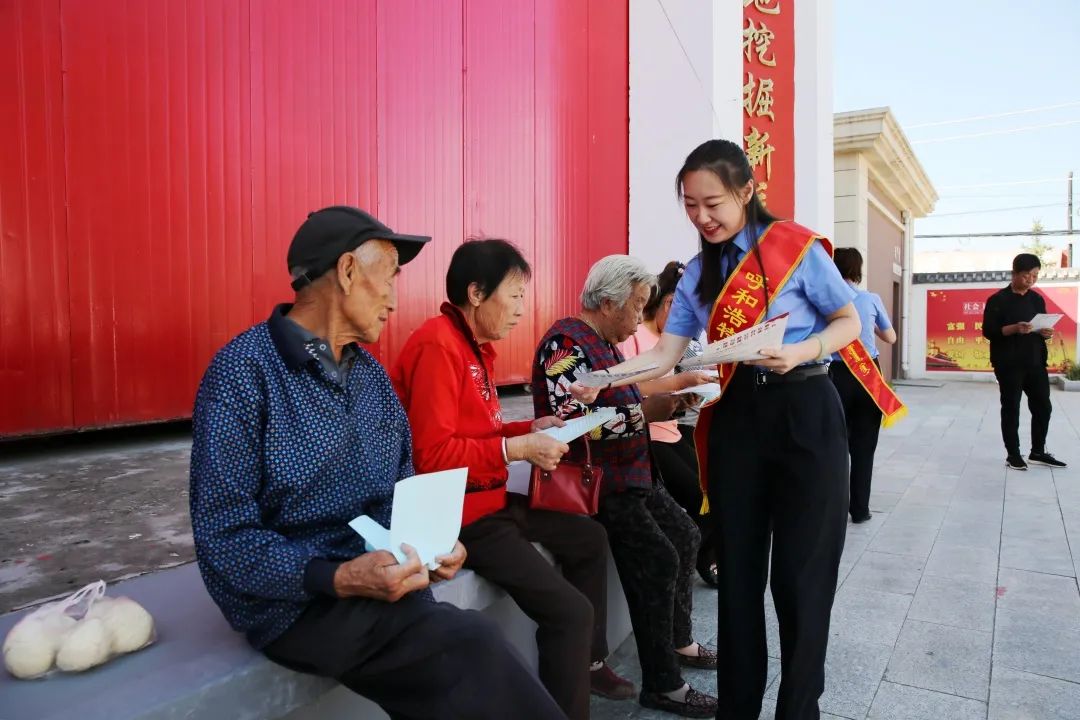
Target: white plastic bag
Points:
(77, 633)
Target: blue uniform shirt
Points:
(872, 315)
(814, 291)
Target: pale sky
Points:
(942, 60)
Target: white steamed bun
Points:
(130, 626)
(87, 646)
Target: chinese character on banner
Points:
(735, 316)
(743, 297)
(758, 150)
(754, 281)
(769, 7)
(768, 43)
(757, 97)
(757, 40)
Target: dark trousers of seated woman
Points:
(416, 659)
(678, 466)
(654, 544)
(863, 425)
(778, 475)
(568, 603)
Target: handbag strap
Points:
(588, 450)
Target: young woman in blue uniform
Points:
(773, 447)
(862, 413)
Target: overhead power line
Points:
(1008, 233)
(976, 118)
(704, 92)
(992, 210)
(988, 133)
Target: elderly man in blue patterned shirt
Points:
(297, 430)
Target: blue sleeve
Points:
(683, 319)
(881, 318)
(821, 282)
(227, 523)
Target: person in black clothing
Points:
(1018, 354)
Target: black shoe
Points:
(861, 518)
(697, 705)
(706, 569)
(1015, 462)
(705, 659)
(1045, 458)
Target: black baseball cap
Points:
(329, 233)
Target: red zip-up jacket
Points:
(443, 378)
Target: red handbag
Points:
(571, 487)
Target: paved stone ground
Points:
(958, 600)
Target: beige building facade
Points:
(879, 189)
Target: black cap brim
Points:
(408, 246)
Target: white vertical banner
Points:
(814, 113)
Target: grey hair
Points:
(614, 278)
(366, 254)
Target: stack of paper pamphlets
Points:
(426, 515)
(579, 426)
(1045, 321)
(743, 346)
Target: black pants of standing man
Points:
(1033, 382)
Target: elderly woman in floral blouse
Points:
(653, 541)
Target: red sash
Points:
(741, 304)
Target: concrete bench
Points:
(200, 668)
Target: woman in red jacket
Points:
(443, 377)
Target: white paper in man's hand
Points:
(1045, 321)
(426, 515)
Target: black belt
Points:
(797, 374)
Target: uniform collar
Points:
(743, 239)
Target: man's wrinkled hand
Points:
(449, 564)
(378, 575)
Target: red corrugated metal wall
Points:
(162, 154)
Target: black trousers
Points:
(1030, 381)
(568, 607)
(778, 464)
(678, 465)
(654, 544)
(863, 426)
(416, 659)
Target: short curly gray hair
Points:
(614, 278)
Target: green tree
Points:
(1036, 246)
